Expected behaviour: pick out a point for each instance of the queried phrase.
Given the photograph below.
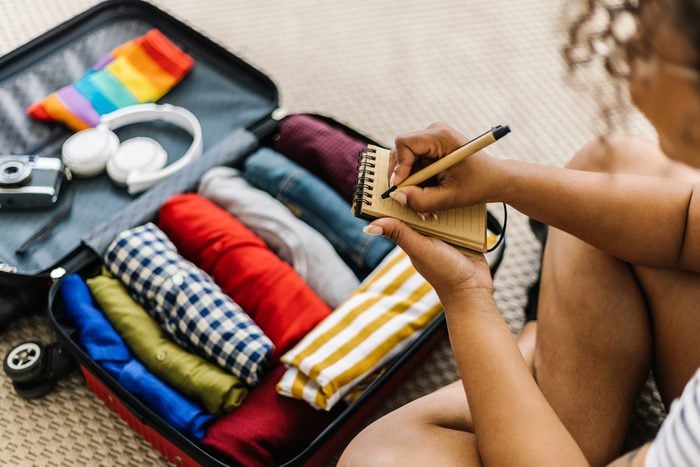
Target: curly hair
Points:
(594, 37)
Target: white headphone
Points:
(137, 163)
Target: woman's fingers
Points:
(427, 199)
(438, 140)
(443, 266)
(408, 239)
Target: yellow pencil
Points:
(456, 156)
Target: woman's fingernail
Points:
(421, 215)
(434, 215)
(392, 179)
(399, 197)
(372, 230)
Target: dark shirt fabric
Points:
(326, 151)
(268, 429)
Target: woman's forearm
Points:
(644, 220)
(513, 422)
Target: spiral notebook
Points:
(464, 228)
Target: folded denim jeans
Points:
(318, 205)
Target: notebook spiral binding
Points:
(365, 179)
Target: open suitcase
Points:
(234, 102)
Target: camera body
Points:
(29, 182)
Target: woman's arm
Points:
(644, 220)
(513, 422)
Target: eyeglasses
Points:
(620, 45)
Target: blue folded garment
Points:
(106, 347)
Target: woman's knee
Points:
(430, 426)
(367, 450)
(620, 153)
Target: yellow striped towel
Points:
(376, 323)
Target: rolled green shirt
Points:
(189, 373)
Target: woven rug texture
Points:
(383, 68)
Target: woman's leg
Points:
(433, 430)
(594, 346)
(600, 318)
(673, 297)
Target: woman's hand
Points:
(472, 181)
(454, 276)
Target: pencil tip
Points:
(386, 194)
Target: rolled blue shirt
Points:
(104, 345)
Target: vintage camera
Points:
(29, 182)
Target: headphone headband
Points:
(178, 116)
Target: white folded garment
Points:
(306, 250)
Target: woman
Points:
(619, 280)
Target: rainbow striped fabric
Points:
(379, 320)
(138, 71)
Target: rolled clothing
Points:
(267, 429)
(378, 322)
(326, 151)
(138, 71)
(186, 302)
(187, 372)
(318, 205)
(311, 256)
(267, 288)
(107, 348)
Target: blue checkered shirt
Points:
(187, 303)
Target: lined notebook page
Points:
(462, 226)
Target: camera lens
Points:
(14, 172)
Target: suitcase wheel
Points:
(25, 362)
(34, 369)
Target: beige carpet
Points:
(381, 67)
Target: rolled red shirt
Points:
(268, 289)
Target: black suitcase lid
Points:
(223, 91)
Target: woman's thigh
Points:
(630, 154)
(674, 301)
(432, 430)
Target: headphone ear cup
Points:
(140, 155)
(86, 152)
